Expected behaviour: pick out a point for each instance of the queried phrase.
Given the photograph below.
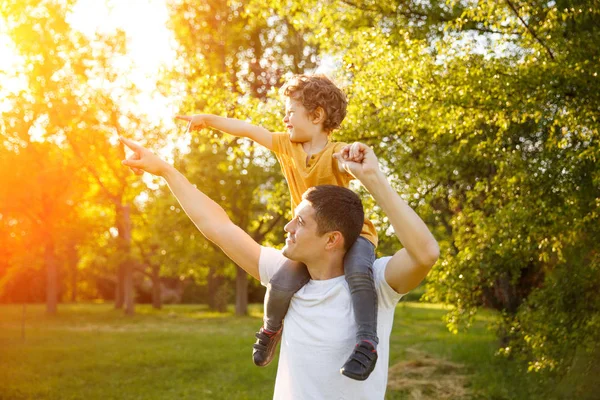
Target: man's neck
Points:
(328, 268)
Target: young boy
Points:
(314, 108)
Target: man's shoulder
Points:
(271, 252)
(387, 296)
(269, 261)
(379, 267)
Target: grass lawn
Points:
(91, 351)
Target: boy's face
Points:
(298, 122)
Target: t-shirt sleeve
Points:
(281, 143)
(269, 261)
(388, 297)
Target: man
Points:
(319, 324)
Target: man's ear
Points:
(318, 115)
(335, 240)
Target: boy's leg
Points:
(287, 280)
(358, 268)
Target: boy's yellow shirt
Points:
(321, 169)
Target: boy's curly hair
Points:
(315, 91)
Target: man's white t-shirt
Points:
(319, 336)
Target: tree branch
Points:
(473, 27)
(140, 268)
(362, 8)
(259, 236)
(514, 9)
(92, 171)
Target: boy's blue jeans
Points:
(358, 269)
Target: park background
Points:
(485, 114)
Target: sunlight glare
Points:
(9, 60)
(150, 47)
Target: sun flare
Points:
(149, 48)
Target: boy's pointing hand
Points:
(195, 122)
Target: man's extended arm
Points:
(231, 126)
(209, 217)
(409, 266)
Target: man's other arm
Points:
(410, 265)
(209, 217)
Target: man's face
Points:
(303, 243)
(298, 122)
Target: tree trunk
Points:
(73, 261)
(156, 292)
(217, 292)
(124, 227)
(51, 278)
(211, 288)
(241, 292)
(128, 297)
(119, 287)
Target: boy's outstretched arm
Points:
(231, 126)
(208, 216)
(409, 266)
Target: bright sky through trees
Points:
(8, 59)
(149, 47)
(149, 43)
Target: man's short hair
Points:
(337, 209)
(315, 91)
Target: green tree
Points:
(231, 59)
(487, 115)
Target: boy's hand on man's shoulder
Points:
(354, 152)
(195, 122)
(358, 159)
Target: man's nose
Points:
(288, 227)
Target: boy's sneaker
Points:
(361, 362)
(264, 348)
